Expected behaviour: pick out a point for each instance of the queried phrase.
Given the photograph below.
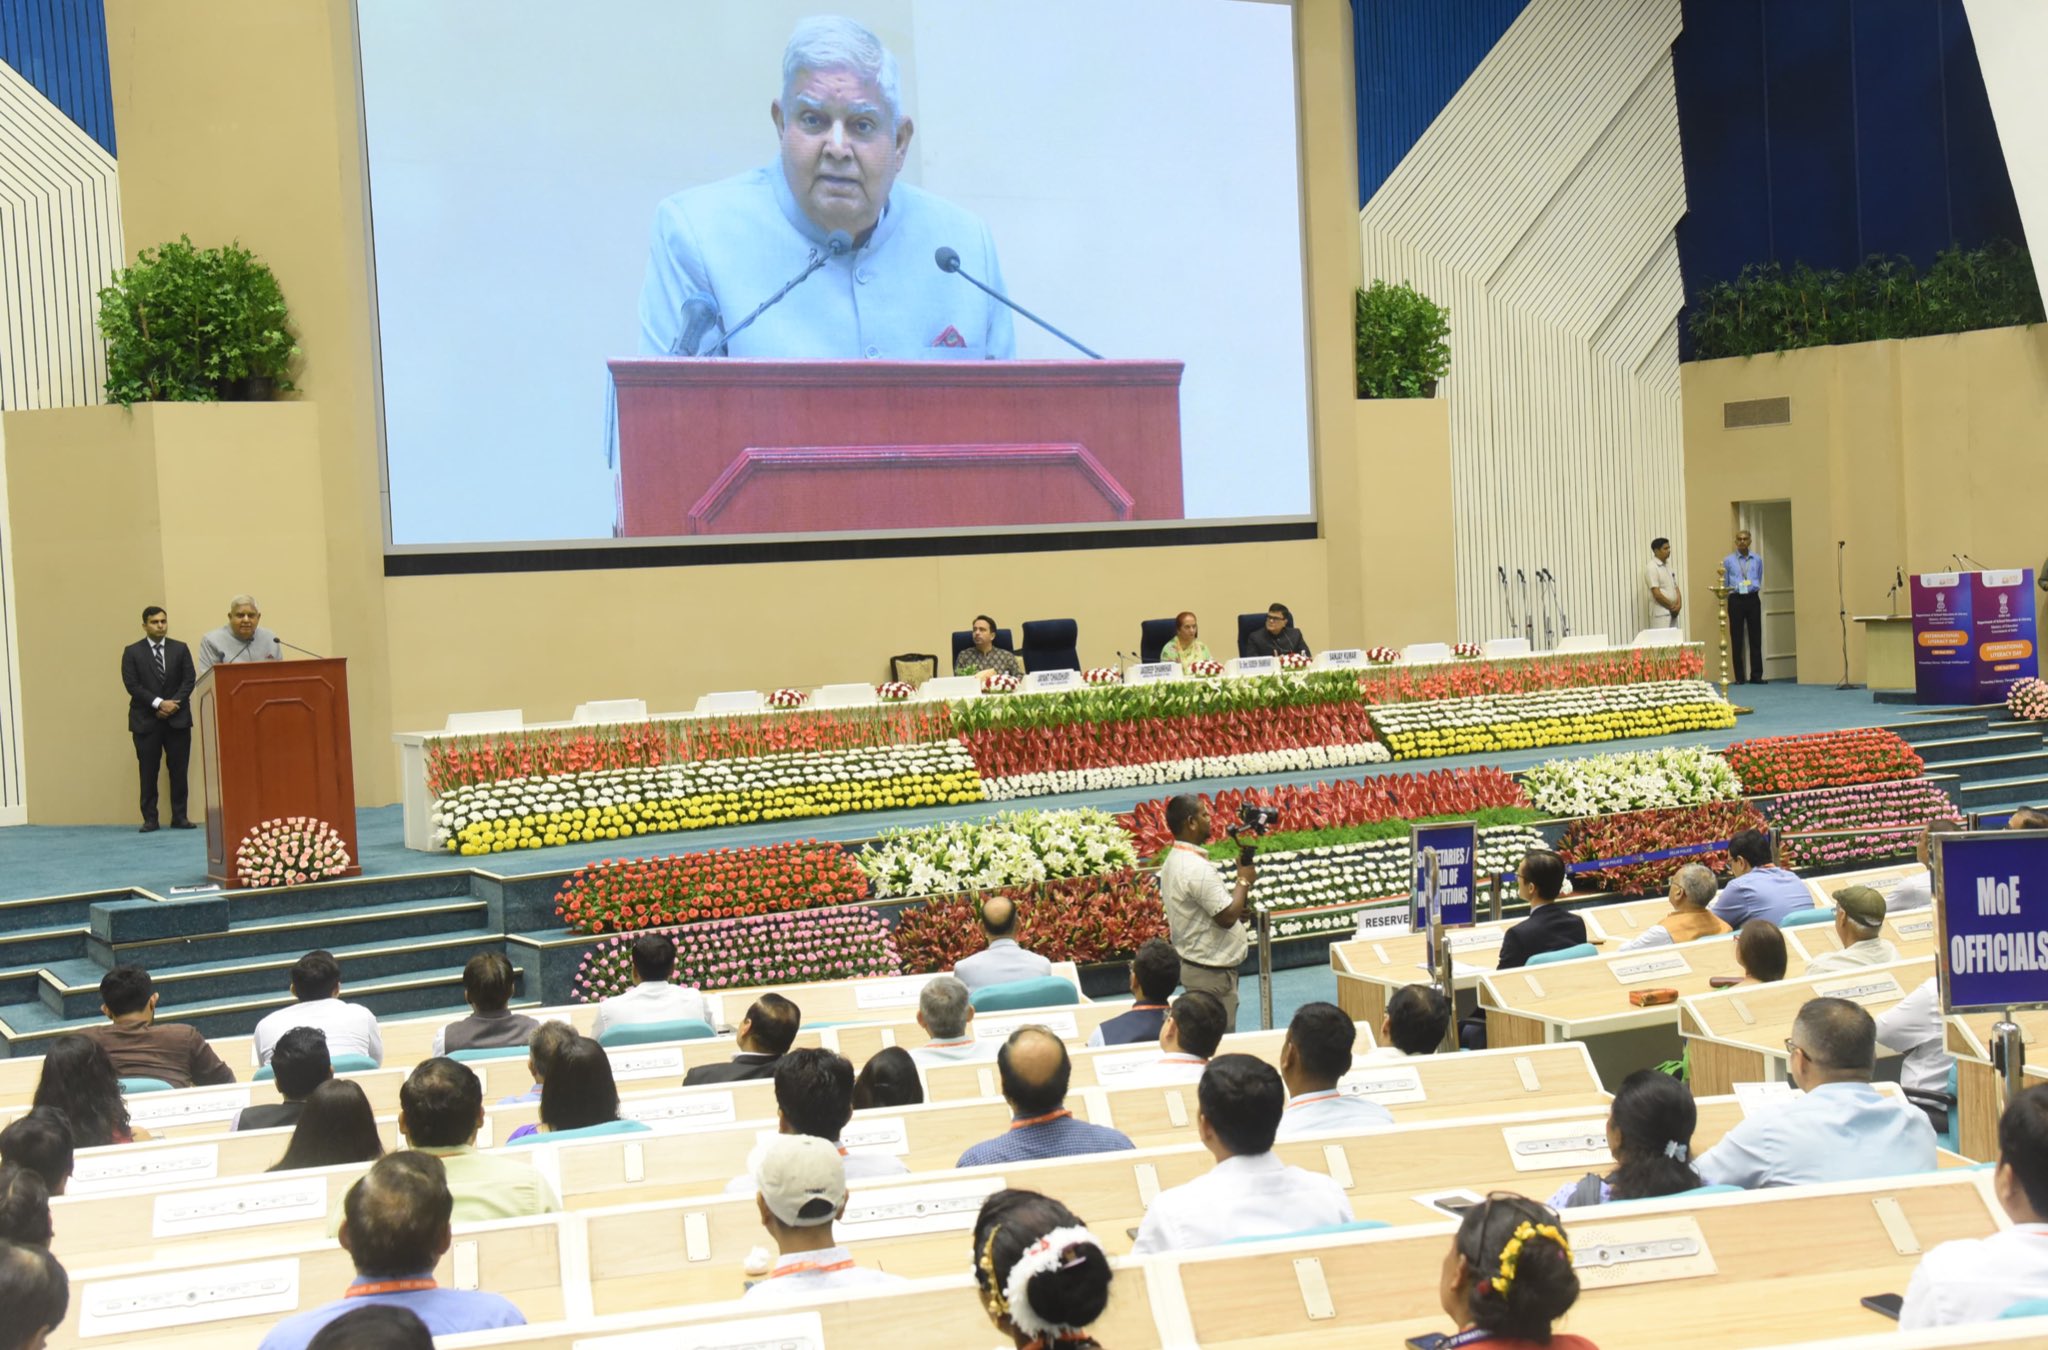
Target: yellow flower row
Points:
(1539, 732)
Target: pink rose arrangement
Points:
(790, 948)
(289, 851)
(2027, 701)
(1900, 807)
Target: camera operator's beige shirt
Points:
(1193, 888)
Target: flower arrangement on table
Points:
(789, 698)
(1382, 656)
(1204, 669)
(1388, 683)
(1101, 675)
(1465, 651)
(999, 682)
(624, 895)
(1635, 780)
(1822, 759)
(1084, 920)
(1361, 874)
(1348, 802)
(290, 851)
(1012, 849)
(894, 691)
(621, 803)
(1497, 722)
(1296, 660)
(2027, 700)
(1908, 805)
(800, 948)
(1622, 836)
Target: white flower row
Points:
(1158, 772)
(1345, 873)
(1484, 709)
(1013, 849)
(1631, 781)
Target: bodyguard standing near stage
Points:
(159, 674)
(1742, 574)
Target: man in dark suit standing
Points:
(159, 673)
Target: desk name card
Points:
(1255, 665)
(1152, 672)
(1342, 658)
(1039, 680)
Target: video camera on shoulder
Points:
(1254, 820)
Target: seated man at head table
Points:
(1758, 888)
(983, 655)
(765, 1035)
(241, 639)
(655, 996)
(1837, 1127)
(1001, 960)
(1859, 923)
(1977, 1279)
(1279, 636)
(947, 1018)
(316, 985)
(1035, 1072)
(1316, 1053)
(142, 1047)
(1193, 1028)
(1155, 974)
(814, 1096)
(1250, 1192)
(299, 1064)
(440, 1112)
(799, 1187)
(1414, 1024)
(491, 1024)
(1692, 891)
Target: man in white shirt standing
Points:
(801, 1184)
(947, 1017)
(1859, 923)
(1202, 918)
(1249, 1193)
(1002, 961)
(1661, 580)
(1316, 1053)
(1187, 1038)
(1977, 1279)
(655, 997)
(316, 983)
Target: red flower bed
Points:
(1465, 679)
(1824, 759)
(627, 895)
(1008, 751)
(1086, 919)
(1394, 796)
(1621, 836)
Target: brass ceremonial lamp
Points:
(1721, 608)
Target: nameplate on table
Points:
(1559, 1143)
(1384, 919)
(1038, 681)
(654, 1061)
(1641, 1251)
(1757, 1099)
(1645, 968)
(1914, 929)
(1343, 658)
(167, 1110)
(783, 1331)
(695, 1107)
(901, 1211)
(142, 1303)
(1861, 989)
(123, 1169)
(1388, 1087)
(1475, 937)
(993, 1031)
(1152, 672)
(1255, 665)
(897, 993)
(1115, 1070)
(888, 1136)
(254, 1204)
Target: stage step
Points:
(2004, 794)
(270, 933)
(1948, 749)
(1941, 725)
(1999, 767)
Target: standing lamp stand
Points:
(1721, 606)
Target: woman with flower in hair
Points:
(1649, 1132)
(1044, 1279)
(1508, 1277)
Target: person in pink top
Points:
(1508, 1278)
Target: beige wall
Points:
(1909, 451)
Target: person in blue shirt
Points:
(1155, 973)
(720, 249)
(1758, 888)
(1035, 1070)
(1742, 573)
(1316, 1054)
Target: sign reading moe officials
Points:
(1991, 901)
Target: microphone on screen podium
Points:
(699, 314)
(949, 261)
(297, 648)
(837, 245)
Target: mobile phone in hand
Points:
(1428, 1340)
(1888, 1304)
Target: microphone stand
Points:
(839, 243)
(1564, 622)
(1528, 615)
(1543, 598)
(949, 261)
(1842, 611)
(1506, 599)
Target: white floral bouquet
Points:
(1382, 656)
(1102, 675)
(998, 682)
(1160, 772)
(1640, 780)
(1012, 849)
(1207, 670)
(894, 691)
(289, 851)
(789, 698)
(2027, 701)
(1295, 660)
(1465, 651)
(1362, 874)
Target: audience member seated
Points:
(947, 1018)
(1193, 1028)
(889, 1078)
(1250, 1192)
(1416, 1019)
(2027, 818)
(34, 1293)
(1760, 951)
(1917, 891)
(1758, 888)
(24, 1206)
(491, 1024)
(1859, 923)
(1913, 1027)
(1977, 1279)
(1279, 637)
(800, 1190)
(1044, 1278)
(1550, 927)
(1187, 646)
(654, 997)
(1508, 1277)
(1837, 1127)
(440, 1110)
(337, 1126)
(298, 1065)
(316, 984)
(79, 1080)
(140, 1046)
(1692, 891)
(1649, 1132)
(41, 1142)
(765, 1035)
(579, 1099)
(395, 1228)
(983, 654)
(1316, 1053)
(541, 1051)
(376, 1327)
(1155, 974)
(1035, 1071)
(814, 1096)
(1002, 961)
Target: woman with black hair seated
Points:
(1044, 1278)
(79, 1080)
(1649, 1132)
(336, 1127)
(1508, 1277)
(889, 1078)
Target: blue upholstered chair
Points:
(586, 1132)
(1355, 1226)
(1051, 644)
(131, 1086)
(488, 1052)
(1571, 953)
(1247, 624)
(1049, 991)
(341, 1064)
(647, 1033)
(963, 639)
(2032, 1307)
(1800, 918)
(1154, 634)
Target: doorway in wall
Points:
(1770, 538)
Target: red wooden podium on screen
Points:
(273, 741)
(794, 447)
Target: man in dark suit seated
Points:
(765, 1035)
(159, 674)
(1549, 928)
(1155, 974)
(1279, 637)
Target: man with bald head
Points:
(1003, 961)
(242, 638)
(1035, 1069)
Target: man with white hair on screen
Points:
(242, 638)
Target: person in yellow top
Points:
(1187, 646)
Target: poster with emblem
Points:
(1973, 634)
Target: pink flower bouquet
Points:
(289, 851)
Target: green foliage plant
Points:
(1403, 342)
(191, 325)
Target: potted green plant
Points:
(193, 325)
(1402, 342)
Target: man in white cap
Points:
(802, 1192)
(1859, 924)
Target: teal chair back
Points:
(2033, 1307)
(646, 1033)
(586, 1132)
(488, 1052)
(131, 1086)
(1571, 953)
(1048, 991)
(1799, 918)
(1355, 1226)
(341, 1064)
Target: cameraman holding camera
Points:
(1201, 916)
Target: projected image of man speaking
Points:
(719, 251)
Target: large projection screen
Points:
(556, 189)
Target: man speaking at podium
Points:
(241, 638)
(722, 249)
